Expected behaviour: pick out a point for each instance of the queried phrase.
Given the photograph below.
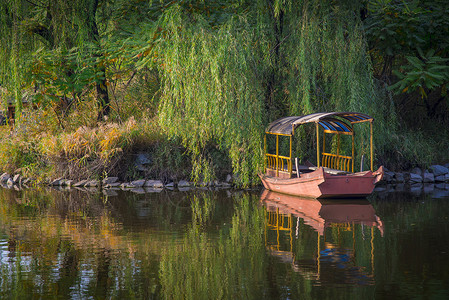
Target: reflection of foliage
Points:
(69, 244)
(230, 267)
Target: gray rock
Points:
(112, 185)
(183, 183)
(142, 162)
(440, 178)
(92, 183)
(417, 171)
(399, 177)
(109, 180)
(17, 178)
(127, 185)
(56, 182)
(446, 165)
(388, 176)
(228, 178)
(415, 178)
(10, 182)
(184, 189)
(446, 177)
(438, 170)
(428, 177)
(143, 159)
(4, 177)
(406, 176)
(80, 183)
(138, 183)
(66, 182)
(170, 185)
(154, 184)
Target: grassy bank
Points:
(39, 147)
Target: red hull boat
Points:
(334, 177)
(321, 184)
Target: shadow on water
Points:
(221, 245)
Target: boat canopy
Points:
(328, 121)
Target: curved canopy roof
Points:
(327, 120)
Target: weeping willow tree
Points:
(328, 68)
(223, 79)
(211, 86)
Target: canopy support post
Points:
(317, 145)
(371, 143)
(277, 154)
(353, 152)
(290, 167)
(265, 151)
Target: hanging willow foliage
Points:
(222, 84)
(212, 94)
(329, 69)
(211, 89)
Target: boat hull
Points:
(319, 184)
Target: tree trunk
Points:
(102, 95)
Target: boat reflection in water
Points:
(343, 250)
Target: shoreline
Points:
(436, 177)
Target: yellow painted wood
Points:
(317, 145)
(277, 155)
(353, 153)
(371, 143)
(338, 132)
(265, 151)
(290, 169)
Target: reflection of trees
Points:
(199, 245)
(230, 266)
(76, 244)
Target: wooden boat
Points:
(334, 175)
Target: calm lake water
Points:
(222, 245)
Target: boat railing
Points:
(279, 163)
(338, 162)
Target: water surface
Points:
(222, 245)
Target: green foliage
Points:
(210, 84)
(428, 72)
(212, 74)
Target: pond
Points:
(222, 245)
